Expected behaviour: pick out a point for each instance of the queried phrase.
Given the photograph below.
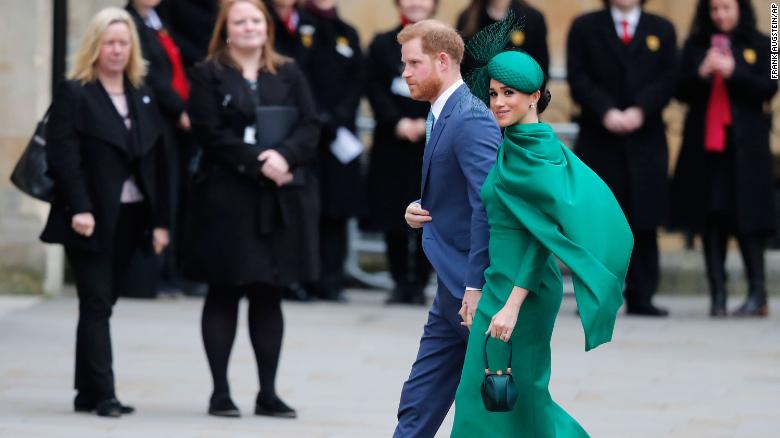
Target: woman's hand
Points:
(184, 121)
(275, 167)
(724, 65)
(503, 323)
(83, 224)
(160, 240)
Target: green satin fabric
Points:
(542, 201)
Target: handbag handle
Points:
(487, 365)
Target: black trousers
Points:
(719, 228)
(98, 276)
(643, 270)
(408, 264)
(333, 253)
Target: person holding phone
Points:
(722, 184)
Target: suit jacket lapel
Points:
(640, 34)
(607, 27)
(146, 129)
(106, 124)
(438, 128)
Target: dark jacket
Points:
(300, 45)
(396, 165)
(240, 227)
(532, 38)
(337, 84)
(90, 154)
(750, 90)
(159, 74)
(190, 23)
(604, 73)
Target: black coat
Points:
(90, 154)
(190, 23)
(750, 90)
(603, 73)
(160, 72)
(240, 228)
(532, 38)
(395, 168)
(337, 84)
(301, 45)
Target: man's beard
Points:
(428, 88)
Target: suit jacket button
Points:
(241, 168)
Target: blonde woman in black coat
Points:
(107, 160)
(252, 225)
(723, 180)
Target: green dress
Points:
(541, 201)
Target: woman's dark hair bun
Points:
(544, 100)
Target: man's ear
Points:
(444, 61)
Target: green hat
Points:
(517, 70)
(514, 68)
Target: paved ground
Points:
(343, 366)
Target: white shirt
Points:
(632, 18)
(438, 104)
(153, 20)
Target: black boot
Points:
(273, 406)
(715, 240)
(752, 248)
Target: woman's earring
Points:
(227, 41)
(532, 105)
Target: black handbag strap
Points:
(487, 364)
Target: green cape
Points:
(572, 213)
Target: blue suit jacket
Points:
(458, 156)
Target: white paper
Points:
(250, 135)
(346, 147)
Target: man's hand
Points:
(469, 307)
(406, 129)
(614, 121)
(160, 240)
(633, 118)
(83, 224)
(415, 216)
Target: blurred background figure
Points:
(337, 84)
(252, 223)
(190, 22)
(621, 64)
(168, 81)
(105, 153)
(532, 39)
(395, 166)
(723, 181)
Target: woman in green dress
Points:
(542, 202)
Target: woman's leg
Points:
(752, 248)
(266, 328)
(218, 326)
(715, 239)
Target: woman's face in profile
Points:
(247, 27)
(115, 48)
(724, 14)
(417, 10)
(508, 105)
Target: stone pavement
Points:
(343, 367)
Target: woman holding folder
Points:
(252, 222)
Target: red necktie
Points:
(718, 116)
(626, 36)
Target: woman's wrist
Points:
(516, 298)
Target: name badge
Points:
(250, 135)
(400, 87)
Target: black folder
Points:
(274, 124)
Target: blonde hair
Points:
(84, 68)
(270, 59)
(436, 37)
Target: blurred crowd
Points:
(209, 147)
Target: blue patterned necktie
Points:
(429, 126)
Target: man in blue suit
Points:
(462, 139)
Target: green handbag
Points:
(499, 393)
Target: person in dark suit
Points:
(252, 224)
(296, 34)
(106, 157)
(337, 84)
(531, 39)
(168, 81)
(396, 157)
(723, 180)
(461, 147)
(190, 23)
(621, 65)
